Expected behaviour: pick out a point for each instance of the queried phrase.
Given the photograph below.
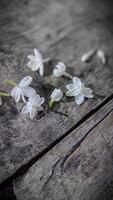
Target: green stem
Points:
(63, 113)
(11, 83)
(5, 94)
(51, 104)
(67, 75)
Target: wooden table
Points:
(55, 157)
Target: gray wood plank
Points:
(78, 168)
(60, 30)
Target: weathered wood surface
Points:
(60, 29)
(80, 167)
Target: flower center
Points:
(34, 106)
(81, 89)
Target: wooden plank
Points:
(79, 167)
(63, 32)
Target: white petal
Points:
(73, 92)
(29, 92)
(34, 100)
(70, 86)
(70, 93)
(102, 56)
(79, 99)
(33, 113)
(0, 101)
(88, 56)
(37, 54)
(77, 82)
(31, 101)
(23, 98)
(26, 109)
(56, 94)
(87, 92)
(16, 94)
(57, 73)
(59, 69)
(29, 64)
(41, 101)
(38, 101)
(61, 66)
(40, 108)
(33, 65)
(25, 81)
(31, 57)
(53, 93)
(41, 69)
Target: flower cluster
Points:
(33, 103)
(23, 91)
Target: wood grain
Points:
(63, 30)
(79, 167)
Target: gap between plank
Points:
(22, 170)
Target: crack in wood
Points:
(52, 172)
(67, 157)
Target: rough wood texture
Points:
(80, 167)
(60, 29)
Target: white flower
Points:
(36, 62)
(0, 101)
(56, 95)
(102, 56)
(59, 69)
(33, 105)
(88, 56)
(78, 90)
(22, 89)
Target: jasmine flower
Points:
(36, 62)
(78, 90)
(60, 70)
(56, 96)
(23, 89)
(33, 105)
